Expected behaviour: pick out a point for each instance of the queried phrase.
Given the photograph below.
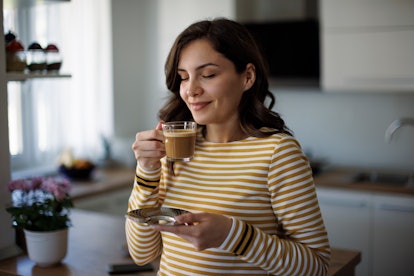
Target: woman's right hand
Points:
(149, 148)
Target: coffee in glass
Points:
(180, 138)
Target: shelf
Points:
(17, 76)
(15, 4)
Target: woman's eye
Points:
(208, 76)
(183, 78)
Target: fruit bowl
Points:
(77, 172)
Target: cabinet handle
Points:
(396, 208)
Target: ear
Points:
(250, 76)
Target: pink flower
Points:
(37, 182)
(40, 203)
(24, 185)
(58, 187)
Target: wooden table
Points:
(96, 240)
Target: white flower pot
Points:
(46, 248)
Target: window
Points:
(47, 116)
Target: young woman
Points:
(249, 189)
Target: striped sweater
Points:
(264, 185)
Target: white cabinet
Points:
(367, 45)
(379, 225)
(347, 215)
(393, 248)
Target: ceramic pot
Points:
(46, 248)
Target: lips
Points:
(198, 106)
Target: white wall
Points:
(348, 129)
(345, 128)
(143, 32)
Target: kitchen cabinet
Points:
(367, 45)
(346, 215)
(379, 225)
(393, 235)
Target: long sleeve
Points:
(144, 195)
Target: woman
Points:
(249, 188)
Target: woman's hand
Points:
(202, 230)
(149, 148)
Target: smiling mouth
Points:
(198, 106)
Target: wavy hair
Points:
(234, 41)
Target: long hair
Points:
(235, 42)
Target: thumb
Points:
(188, 218)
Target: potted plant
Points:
(41, 208)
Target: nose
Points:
(193, 88)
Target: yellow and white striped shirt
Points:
(264, 184)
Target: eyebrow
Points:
(199, 67)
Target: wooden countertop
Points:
(102, 181)
(342, 178)
(97, 240)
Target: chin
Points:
(201, 122)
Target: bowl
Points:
(74, 173)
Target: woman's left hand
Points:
(202, 230)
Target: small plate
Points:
(152, 216)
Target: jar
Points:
(53, 58)
(15, 56)
(36, 57)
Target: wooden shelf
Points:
(17, 76)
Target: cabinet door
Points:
(347, 219)
(393, 248)
(367, 45)
(369, 61)
(366, 13)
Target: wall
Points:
(347, 129)
(143, 32)
(7, 232)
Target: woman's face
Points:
(210, 85)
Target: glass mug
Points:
(180, 138)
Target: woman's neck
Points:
(224, 134)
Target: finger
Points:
(189, 218)
(159, 125)
(180, 230)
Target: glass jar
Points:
(15, 57)
(36, 57)
(53, 58)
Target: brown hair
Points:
(235, 42)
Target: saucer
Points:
(153, 216)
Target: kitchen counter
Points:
(103, 181)
(97, 240)
(343, 178)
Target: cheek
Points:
(183, 95)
